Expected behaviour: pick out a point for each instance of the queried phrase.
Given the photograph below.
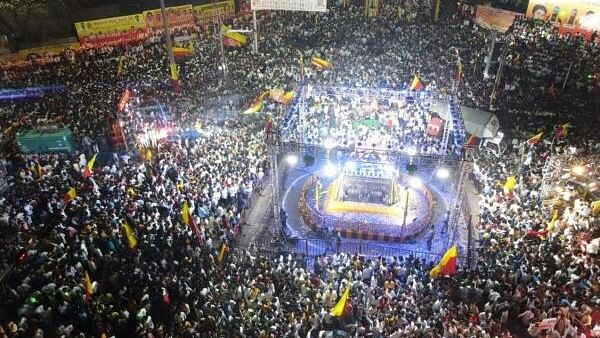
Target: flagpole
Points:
(255, 32)
(567, 77)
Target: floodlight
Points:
(412, 151)
(414, 182)
(350, 166)
(291, 159)
(442, 173)
(330, 170)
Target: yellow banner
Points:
(209, 14)
(178, 17)
(578, 14)
(110, 31)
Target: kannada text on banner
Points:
(111, 31)
(576, 14)
(290, 5)
(494, 18)
(209, 14)
(178, 17)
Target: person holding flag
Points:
(447, 265)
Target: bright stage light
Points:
(330, 170)
(412, 151)
(442, 173)
(578, 170)
(414, 182)
(350, 166)
(291, 160)
(329, 143)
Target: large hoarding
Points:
(178, 17)
(209, 14)
(111, 31)
(289, 5)
(494, 18)
(573, 14)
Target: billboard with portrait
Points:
(209, 14)
(178, 17)
(289, 5)
(111, 31)
(575, 14)
(495, 18)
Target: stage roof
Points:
(478, 122)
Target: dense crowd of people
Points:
(537, 258)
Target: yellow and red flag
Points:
(37, 170)
(472, 142)
(416, 84)
(87, 283)
(319, 63)
(562, 130)
(535, 139)
(338, 309)
(70, 195)
(553, 221)
(131, 240)
(447, 265)
(89, 167)
(232, 39)
(257, 105)
(288, 96)
(180, 52)
(188, 219)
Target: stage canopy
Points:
(478, 122)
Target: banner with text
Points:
(289, 5)
(573, 14)
(178, 17)
(209, 14)
(495, 18)
(111, 31)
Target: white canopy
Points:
(480, 123)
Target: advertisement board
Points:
(574, 14)
(289, 5)
(209, 14)
(111, 31)
(494, 18)
(178, 17)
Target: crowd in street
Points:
(537, 258)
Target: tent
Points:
(478, 122)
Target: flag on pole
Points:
(553, 221)
(188, 219)
(447, 265)
(87, 283)
(416, 84)
(131, 240)
(180, 52)
(472, 142)
(338, 309)
(89, 167)
(535, 139)
(319, 63)
(257, 105)
(232, 39)
(562, 130)
(70, 195)
(222, 251)
(37, 170)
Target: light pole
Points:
(172, 63)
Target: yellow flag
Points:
(131, 240)
(509, 185)
(338, 309)
(553, 221)
(222, 252)
(596, 208)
